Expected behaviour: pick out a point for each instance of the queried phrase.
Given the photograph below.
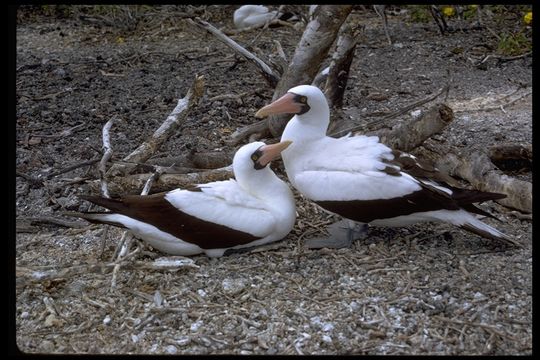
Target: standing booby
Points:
(255, 209)
(362, 179)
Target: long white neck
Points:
(275, 194)
(263, 184)
(303, 130)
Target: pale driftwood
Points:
(340, 65)
(491, 102)
(52, 220)
(26, 275)
(169, 127)
(71, 168)
(265, 70)
(343, 126)
(408, 135)
(148, 185)
(260, 127)
(313, 47)
(132, 183)
(477, 169)
(511, 156)
(211, 159)
(106, 156)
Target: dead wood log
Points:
(511, 157)
(340, 126)
(106, 156)
(406, 136)
(132, 184)
(260, 127)
(338, 73)
(477, 169)
(265, 70)
(313, 47)
(28, 275)
(211, 159)
(192, 162)
(169, 126)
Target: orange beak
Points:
(270, 152)
(283, 105)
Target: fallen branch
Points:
(477, 169)
(260, 127)
(511, 156)
(54, 221)
(169, 127)
(211, 159)
(71, 168)
(489, 103)
(130, 184)
(343, 127)
(265, 70)
(106, 156)
(408, 135)
(27, 275)
(340, 65)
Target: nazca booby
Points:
(247, 16)
(362, 179)
(255, 209)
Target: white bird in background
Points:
(247, 16)
(253, 16)
(362, 179)
(255, 209)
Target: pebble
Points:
(183, 341)
(171, 349)
(328, 327)
(107, 320)
(233, 286)
(327, 339)
(25, 315)
(196, 325)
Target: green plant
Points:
(514, 44)
(419, 14)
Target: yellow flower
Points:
(119, 40)
(448, 11)
(528, 18)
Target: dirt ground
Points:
(423, 289)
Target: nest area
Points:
(423, 289)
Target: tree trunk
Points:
(313, 47)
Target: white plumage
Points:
(247, 16)
(362, 179)
(254, 209)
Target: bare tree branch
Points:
(132, 183)
(265, 70)
(477, 169)
(106, 156)
(169, 126)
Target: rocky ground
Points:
(424, 289)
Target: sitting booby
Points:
(247, 16)
(255, 209)
(362, 179)
(252, 16)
